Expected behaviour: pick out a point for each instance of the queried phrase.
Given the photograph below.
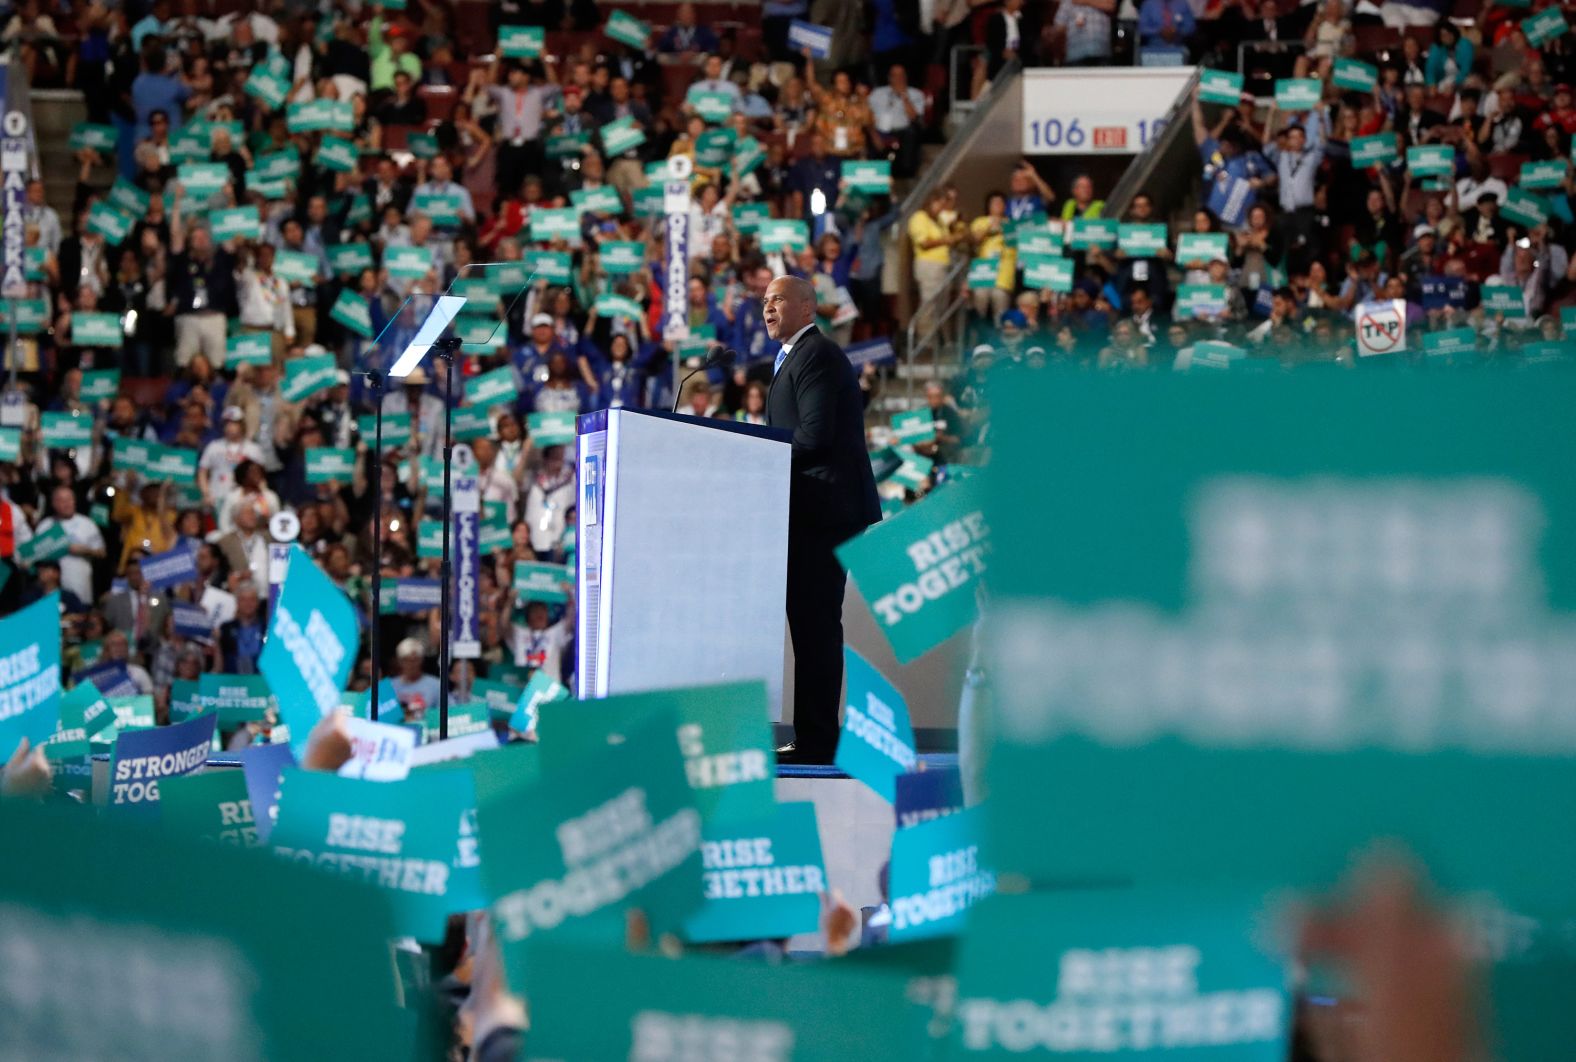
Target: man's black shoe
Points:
(792, 755)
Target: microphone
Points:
(719, 357)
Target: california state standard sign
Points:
(1381, 327)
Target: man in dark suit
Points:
(815, 394)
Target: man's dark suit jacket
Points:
(816, 396)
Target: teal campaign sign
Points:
(747, 217)
(783, 234)
(202, 179)
(937, 875)
(492, 388)
(277, 165)
(66, 430)
(1298, 93)
(1545, 26)
(877, 741)
(352, 311)
(1220, 661)
(622, 135)
(1046, 272)
(409, 263)
(1220, 86)
(422, 145)
(1500, 298)
(44, 546)
(567, 145)
(551, 429)
(600, 200)
(337, 155)
(295, 267)
(99, 385)
(236, 699)
(320, 116)
(396, 428)
(723, 733)
(868, 175)
(1431, 160)
(185, 699)
(128, 198)
(627, 29)
(1085, 233)
(211, 805)
(914, 426)
(349, 259)
(622, 257)
(920, 569)
(618, 306)
(270, 81)
(249, 348)
(155, 916)
(611, 1004)
(521, 42)
(1036, 238)
(110, 221)
(715, 107)
(330, 464)
(96, 329)
(548, 224)
(1141, 240)
(983, 273)
(237, 223)
(1543, 176)
(100, 138)
(30, 674)
(10, 445)
(1200, 300)
(1120, 974)
(414, 839)
(1451, 341)
(306, 376)
(442, 207)
(535, 581)
(1355, 75)
(313, 637)
(541, 690)
(760, 879)
(1376, 150)
(83, 713)
(1524, 208)
(611, 828)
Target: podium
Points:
(682, 538)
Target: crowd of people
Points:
(262, 193)
(1430, 167)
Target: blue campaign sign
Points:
(262, 766)
(807, 35)
(112, 680)
(877, 742)
(417, 595)
(142, 757)
(1230, 199)
(30, 674)
(171, 568)
(312, 641)
(928, 794)
(937, 876)
(192, 621)
(871, 352)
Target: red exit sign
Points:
(1110, 136)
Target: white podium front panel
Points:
(692, 540)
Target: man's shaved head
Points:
(790, 305)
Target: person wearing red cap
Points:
(1561, 114)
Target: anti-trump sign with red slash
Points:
(1381, 327)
